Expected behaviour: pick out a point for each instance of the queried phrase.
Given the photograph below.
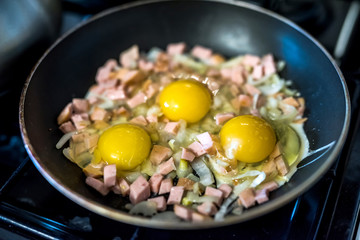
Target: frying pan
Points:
(68, 68)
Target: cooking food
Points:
(193, 133)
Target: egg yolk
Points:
(125, 145)
(247, 138)
(187, 99)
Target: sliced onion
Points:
(202, 170)
(145, 208)
(66, 137)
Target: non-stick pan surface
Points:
(68, 68)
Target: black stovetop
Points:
(31, 208)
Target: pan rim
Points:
(145, 222)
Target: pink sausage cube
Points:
(97, 185)
(220, 118)
(226, 189)
(160, 202)
(245, 100)
(182, 212)
(176, 194)
(65, 114)
(166, 167)
(205, 140)
(251, 60)
(261, 196)
(128, 58)
(197, 149)
(159, 153)
(270, 186)
(152, 118)
(80, 121)
(247, 198)
(218, 194)
(165, 185)
(258, 72)
(251, 89)
(172, 127)
(175, 48)
(201, 52)
(117, 93)
(100, 114)
(281, 165)
(145, 65)
(139, 190)
(110, 175)
(140, 120)
(155, 182)
(198, 217)
(237, 76)
(80, 105)
(67, 127)
(188, 155)
(138, 99)
(207, 208)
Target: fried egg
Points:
(125, 145)
(185, 99)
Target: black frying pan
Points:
(69, 67)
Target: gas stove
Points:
(31, 208)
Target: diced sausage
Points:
(258, 72)
(140, 120)
(206, 141)
(110, 175)
(166, 167)
(129, 57)
(237, 76)
(172, 127)
(221, 118)
(160, 202)
(175, 48)
(218, 194)
(65, 114)
(151, 90)
(97, 185)
(201, 52)
(133, 76)
(291, 101)
(182, 212)
(159, 153)
(198, 217)
(276, 152)
(80, 121)
(281, 165)
(261, 196)
(207, 208)
(269, 167)
(100, 114)
(187, 155)
(269, 64)
(251, 89)
(166, 185)
(79, 148)
(117, 93)
(145, 65)
(226, 73)
(176, 194)
(197, 149)
(94, 171)
(245, 100)
(91, 141)
(111, 83)
(80, 105)
(247, 198)
(226, 189)
(155, 181)
(270, 186)
(187, 183)
(67, 127)
(138, 99)
(251, 60)
(139, 190)
(152, 118)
